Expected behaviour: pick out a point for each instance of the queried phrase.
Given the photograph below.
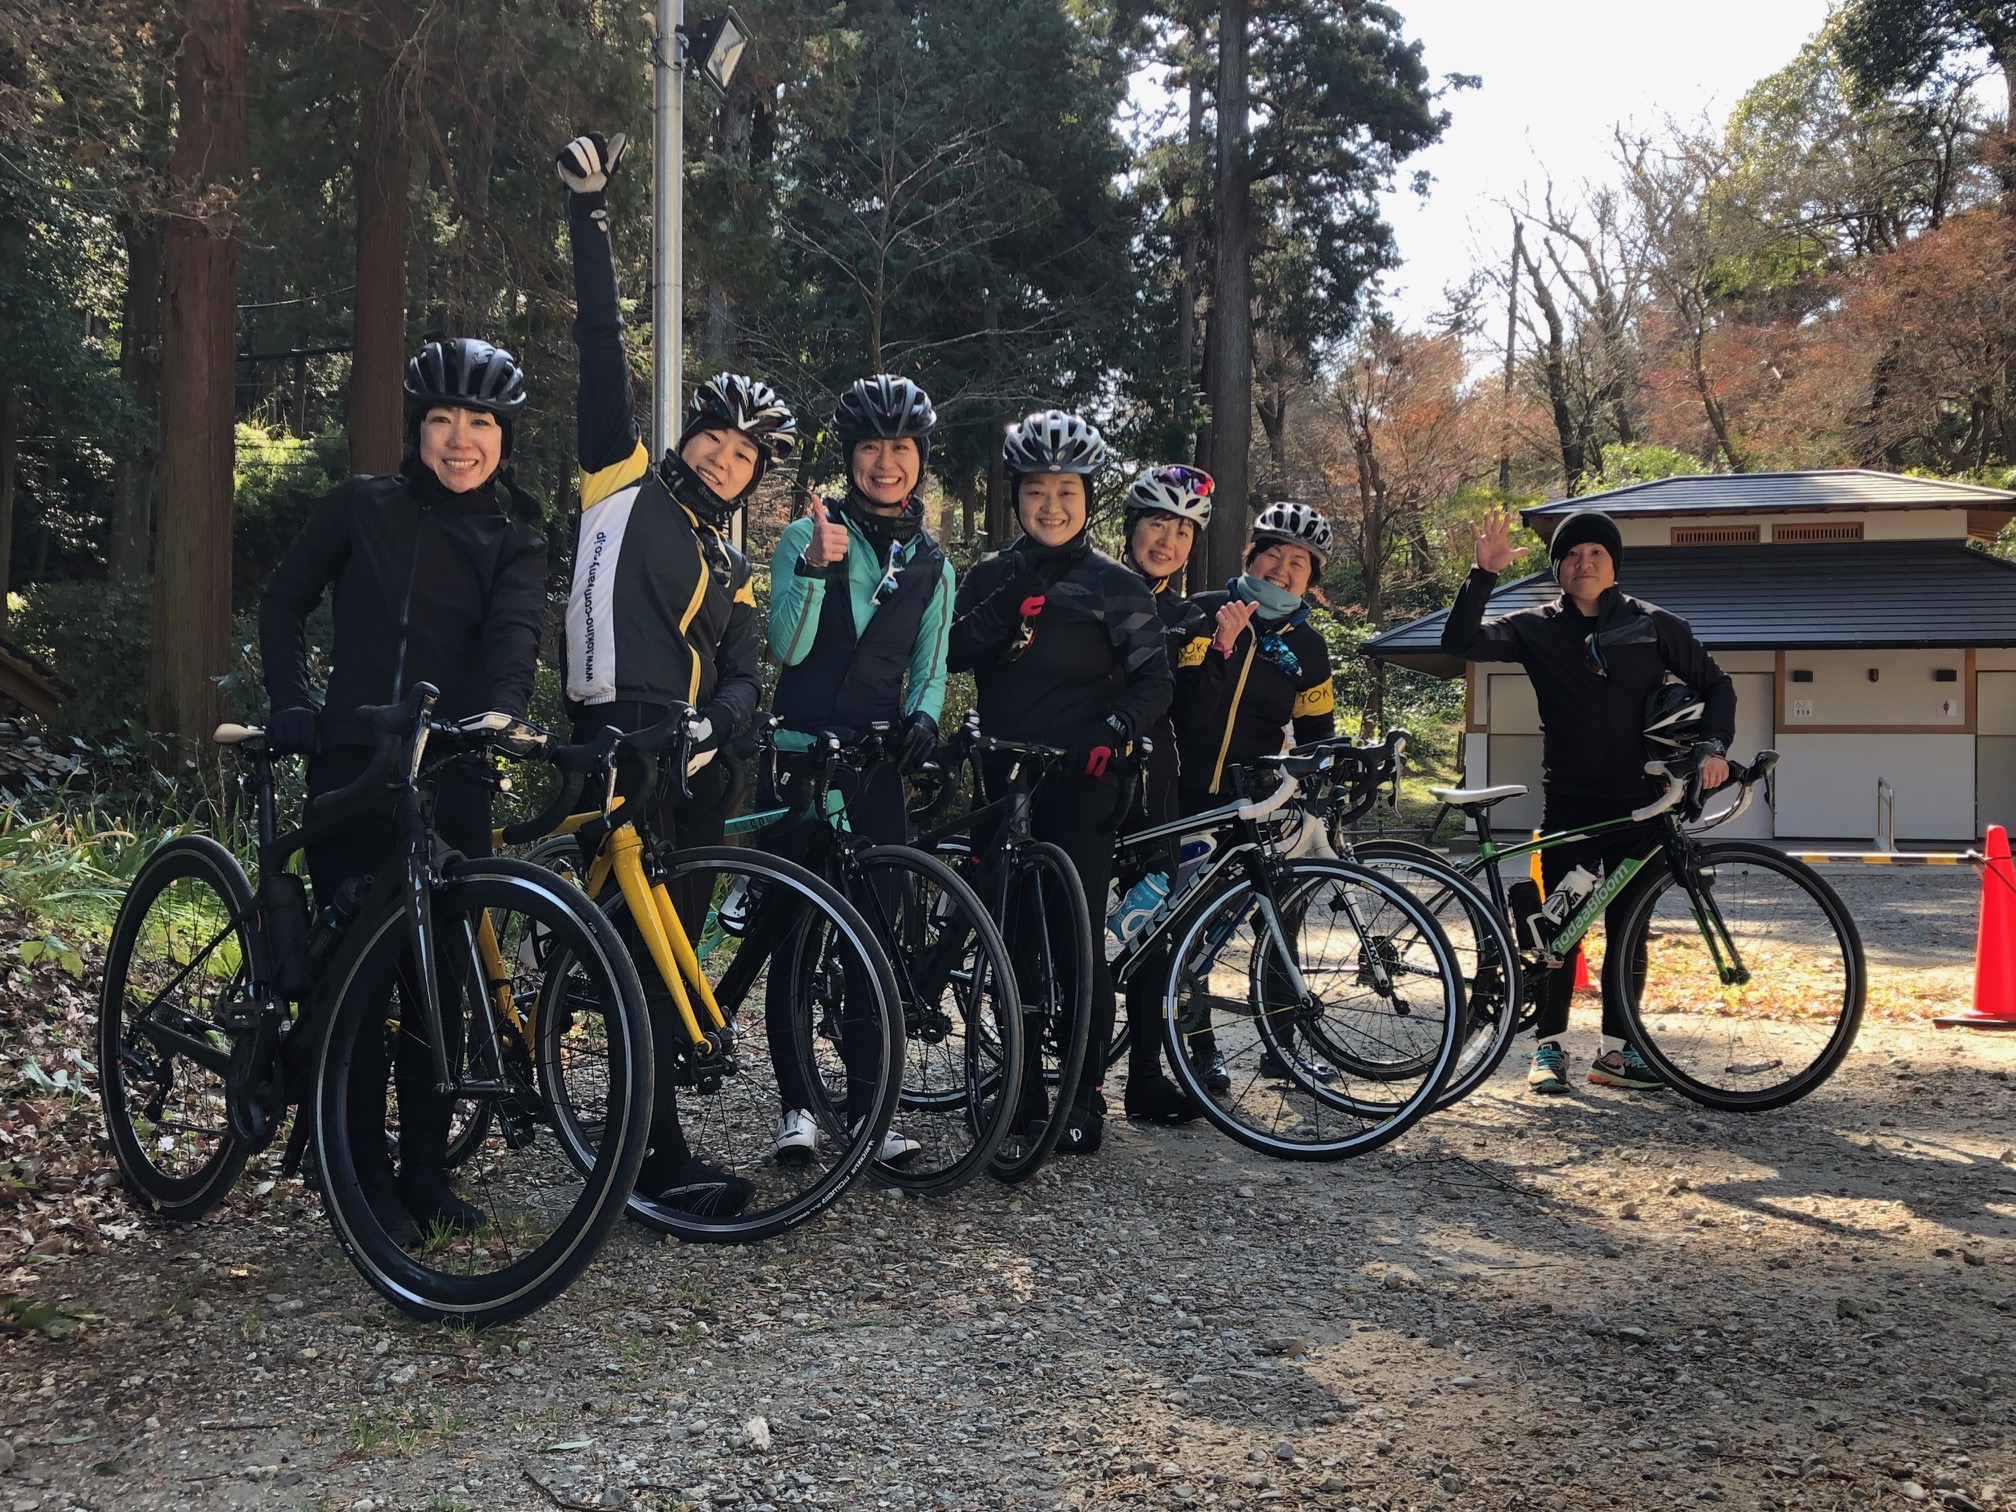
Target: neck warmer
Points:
(882, 530)
(685, 486)
(1274, 603)
(1052, 562)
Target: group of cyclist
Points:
(438, 573)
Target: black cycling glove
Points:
(291, 731)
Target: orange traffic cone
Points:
(1995, 945)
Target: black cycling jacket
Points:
(429, 586)
(1232, 710)
(1097, 649)
(1592, 723)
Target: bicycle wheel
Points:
(1484, 948)
(181, 951)
(1045, 922)
(962, 1024)
(1747, 1042)
(816, 1027)
(1383, 991)
(546, 1202)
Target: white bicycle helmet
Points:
(1184, 492)
(1050, 441)
(1291, 524)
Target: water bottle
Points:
(1143, 901)
(1190, 860)
(743, 896)
(1566, 897)
(333, 920)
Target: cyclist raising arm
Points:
(438, 575)
(1595, 657)
(662, 611)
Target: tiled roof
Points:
(1841, 489)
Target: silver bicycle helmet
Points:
(1291, 524)
(1050, 441)
(1184, 492)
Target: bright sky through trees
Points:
(1558, 75)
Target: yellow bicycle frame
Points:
(657, 921)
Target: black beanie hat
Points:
(1583, 526)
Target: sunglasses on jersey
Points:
(1276, 650)
(886, 589)
(1593, 654)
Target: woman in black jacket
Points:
(1167, 509)
(1258, 682)
(1065, 646)
(438, 575)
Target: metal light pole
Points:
(668, 144)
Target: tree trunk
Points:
(969, 504)
(191, 641)
(1228, 379)
(1511, 352)
(376, 413)
(1574, 452)
(130, 538)
(10, 453)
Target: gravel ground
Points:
(1602, 1300)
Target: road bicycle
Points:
(1031, 890)
(751, 965)
(222, 1008)
(1303, 970)
(962, 1022)
(1739, 970)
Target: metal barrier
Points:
(1886, 815)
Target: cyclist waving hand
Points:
(1595, 657)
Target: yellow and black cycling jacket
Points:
(1232, 710)
(661, 609)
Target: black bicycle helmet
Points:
(1051, 441)
(884, 406)
(465, 373)
(1673, 714)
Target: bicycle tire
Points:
(1282, 1112)
(744, 1141)
(126, 1060)
(1493, 983)
(365, 970)
(1696, 1024)
(1054, 1031)
(946, 945)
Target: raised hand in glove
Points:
(913, 741)
(1094, 753)
(586, 165)
(291, 732)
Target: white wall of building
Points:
(1827, 785)
(1904, 691)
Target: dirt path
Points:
(1602, 1300)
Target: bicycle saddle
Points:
(1478, 798)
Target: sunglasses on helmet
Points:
(1187, 478)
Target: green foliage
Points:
(1625, 463)
(277, 479)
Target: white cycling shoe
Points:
(798, 1140)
